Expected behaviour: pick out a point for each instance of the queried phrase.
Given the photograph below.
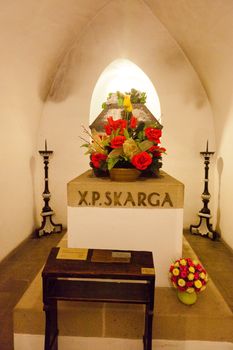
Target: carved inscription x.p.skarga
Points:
(123, 199)
(164, 192)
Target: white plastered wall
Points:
(32, 39)
(204, 30)
(20, 109)
(127, 29)
(224, 174)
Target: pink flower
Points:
(189, 283)
(183, 274)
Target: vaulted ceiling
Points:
(40, 32)
(204, 31)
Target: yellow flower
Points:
(181, 282)
(190, 290)
(202, 275)
(130, 148)
(183, 262)
(203, 288)
(190, 276)
(177, 264)
(127, 103)
(198, 284)
(191, 269)
(175, 272)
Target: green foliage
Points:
(140, 136)
(145, 145)
(115, 153)
(126, 134)
(104, 105)
(112, 162)
(137, 96)
(140, 127)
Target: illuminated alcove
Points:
(122, 75)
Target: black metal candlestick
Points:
(47, 226)
(204, 227)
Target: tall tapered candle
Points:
(45, 145)
(207, 146)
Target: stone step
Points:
(210, 319)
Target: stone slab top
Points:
(87, 190)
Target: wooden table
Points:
(100, 276)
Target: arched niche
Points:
(123, 74)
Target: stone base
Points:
(143, 215)
(36, 342)
(159, 231)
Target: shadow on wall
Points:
(220, 169)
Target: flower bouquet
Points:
(189, 277)
(126, 142)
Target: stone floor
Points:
(19, 269)
(16, 274)
(218, 261)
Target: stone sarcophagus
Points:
(143, 215)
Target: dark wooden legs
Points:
(149, 312)
(74, 280)
(51, 330)
(147, 338)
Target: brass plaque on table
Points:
(147, 271)
(72, 253)
(109, 256)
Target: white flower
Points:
(112, 99)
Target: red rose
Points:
(153, 134)
(141, 160)
(117, 141)
(157, 149)
(133, 122)
(174, 279)
(199, 267)
(113, 125)
(120, 124)
(108, 129)
(171, 268)
(97, 159)
(190, 262)
(189, 284)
